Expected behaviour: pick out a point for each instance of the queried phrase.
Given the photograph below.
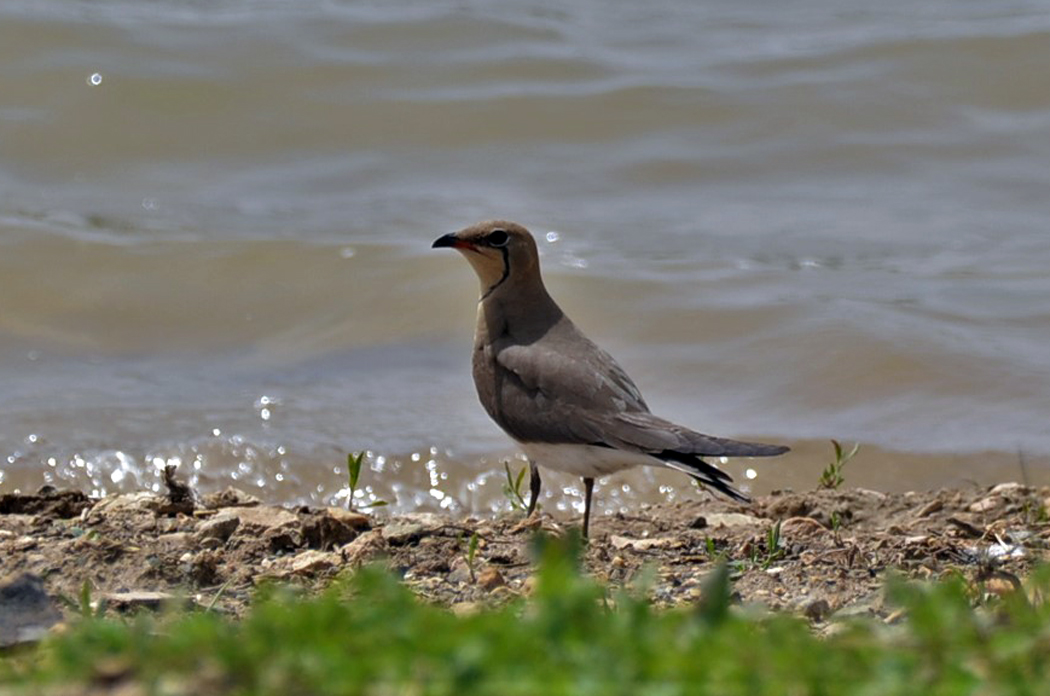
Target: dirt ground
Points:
(833, 553)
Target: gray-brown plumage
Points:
(565, 400)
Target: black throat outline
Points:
(506, 273)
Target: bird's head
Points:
(500, 252)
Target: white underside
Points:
(586, 461)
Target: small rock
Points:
(231, 497)
(490, 578)
(789, 506)
(352, 519)
(313, 562)
(220, 527)
(140, 599)
(331, 527)
(986, 504)
(211, 543)
(734, 519)
(308, 563)
(258, 520)
(801, 526)
(127, 504)
(26, 611)
(402, 533)
(1007, 488)
(204, 568)
(363, 547)
(816, 609)
(283, 539)
(460, 572)
(621, 542)
(412, 527)
(930, 508)
(869, 493)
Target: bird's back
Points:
(543, 381)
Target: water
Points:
(215, 220)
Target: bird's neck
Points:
(523, 310)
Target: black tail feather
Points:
(703, 472)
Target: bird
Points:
(565, 401)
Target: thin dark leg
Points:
(534, 488)
(588, 489)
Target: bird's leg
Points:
(588, 489)
(534, 488)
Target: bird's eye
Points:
(497, 238)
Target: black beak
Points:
(449, 240)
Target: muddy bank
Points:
(820, 553)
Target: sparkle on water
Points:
(431, 478)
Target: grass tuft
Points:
(832, 477)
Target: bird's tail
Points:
(704, 473)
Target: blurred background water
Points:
(822, 221)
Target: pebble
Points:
(314, 562)
(930, 508)
(490, 578)
(986, 504)
(139, 599)
(412, 527)
(127, 503)
(733, 519)
(816, 609)
(363, 547)
(220, 527)
(254, 520)
(354, 520)
(621, 542)
(26, 610)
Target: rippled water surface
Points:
(829, 221)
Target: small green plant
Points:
(512, 487)
(353, 474)
(759, 557)
(714, 553)
(774, 546)
(83, 602)
(472, 550)
(831, 478)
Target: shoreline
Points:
(822, 554)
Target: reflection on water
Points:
(215, 226)
(439, 480)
